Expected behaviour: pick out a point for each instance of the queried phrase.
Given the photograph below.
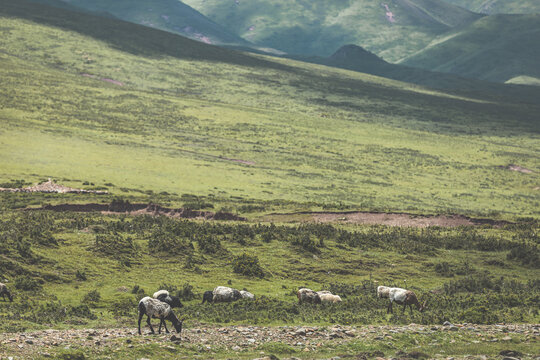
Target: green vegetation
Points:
(495, 48)
(489, 279)
(169, 15)
(320, 27)
(499, 6)
(196, 119)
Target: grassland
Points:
(187, 112)
(98, 103)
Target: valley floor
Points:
(465, 341)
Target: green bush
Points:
(26, 283)
(91, 298)
(247, 265)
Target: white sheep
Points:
(330, 298)
(247, 295)
(160, 310)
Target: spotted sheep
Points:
(173, 301)
(154, 308)
(5, 292)
(309, 296)
(225, 294)
(383, 292)
(404, 297)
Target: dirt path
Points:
(389, 219)
(247, 338)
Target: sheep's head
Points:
(178, 326)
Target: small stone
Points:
(236, 348)
(507, 338)
(29, 342)
(251, 341)
(447, 323)
(453, 328)
(300, 332)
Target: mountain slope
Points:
(391, 29)
(169, 15)
(86, 98)
(495, 48)
(499, 6)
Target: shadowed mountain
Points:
(392, 29)
(352, 57)
(495, 48)
(169, 15)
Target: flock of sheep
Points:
(160, 305)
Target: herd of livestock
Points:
(160, 305)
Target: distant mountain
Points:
(499, 6)
(352, 57)
(391, 28)
(495, 48)
(169, 15)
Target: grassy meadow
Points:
(149, 116)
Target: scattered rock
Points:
(510, 353)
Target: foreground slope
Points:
(390, 29)
(111, 102)
(495, 48)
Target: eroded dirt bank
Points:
(141, 209)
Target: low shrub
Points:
(247, 265)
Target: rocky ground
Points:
(249, 339)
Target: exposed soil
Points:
(51, 187)
(518, 168)
(141, 209)
(391, 219)
(247, 338)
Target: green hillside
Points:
(111, 102)
(499, 6)
(169, 15)
(156, 118)
(391, 29)
(495, 48)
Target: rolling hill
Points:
(499, 6)
(391, 29)
(495, 48)
(169, 15)
(91, 99)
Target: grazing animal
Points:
(160, 310)
(208, 296)
(247, 295)
(173, 301)
(4, 291)
(308, 296)
(330, 298)
(225, 294)
(383, 292)
(404, 297)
